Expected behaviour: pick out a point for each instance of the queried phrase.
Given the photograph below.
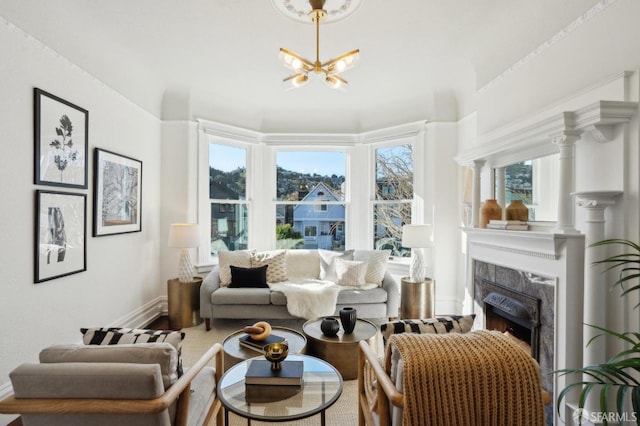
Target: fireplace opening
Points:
(515, 313)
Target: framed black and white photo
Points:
(61, 230)
(117, 194)
(61, 137)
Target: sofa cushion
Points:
(241, 258)
(436, 325)
(241, 296)
(278, 298)
(162, 354)
(328, 265)
(376, 263)
(276, 260)
(80, 379)
(350, 272)
(357, 296)
(248, 277)
(302, 263)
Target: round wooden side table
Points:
(340, 351)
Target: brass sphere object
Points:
(276, 353)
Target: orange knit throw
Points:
(477, 378)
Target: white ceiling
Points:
(414, 54)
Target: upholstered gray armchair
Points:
(121, 384)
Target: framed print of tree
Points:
(117, 195)
(61, 131)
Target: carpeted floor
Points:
(197, 341)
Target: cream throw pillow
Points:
(240, 258)
(350, 272)
(276, 259)
(377, 263)
(327, 263)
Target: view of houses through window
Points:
(310, 201)
(394, 196)
(310, 208)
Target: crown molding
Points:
(596, 10)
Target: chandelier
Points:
(329, 70)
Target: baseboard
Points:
(143, 315)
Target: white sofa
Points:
(302, 266)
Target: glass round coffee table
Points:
(234, 352)
(321, 388)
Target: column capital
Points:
(596, 199)
(479, 164)
(566, 137)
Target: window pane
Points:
(394, 173)
(227, 172)
(298, 173)
(388, 219)
(304, 226)
(228, 227)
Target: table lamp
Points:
(416, 237)
(184, 236)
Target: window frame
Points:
(261, 166)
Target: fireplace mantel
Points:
(546, 245)
(559, 257)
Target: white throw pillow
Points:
(276, 259)
(241, 258)
(327, 263)
(377, 263)
(350, 272)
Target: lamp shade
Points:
(416, 236)
(183, 235)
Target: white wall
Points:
(122, 270)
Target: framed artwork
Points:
(61, 231)
(117, 194)
(61, 137)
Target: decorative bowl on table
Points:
(276, 353)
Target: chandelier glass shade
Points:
(305, 70)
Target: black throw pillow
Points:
(248, 277)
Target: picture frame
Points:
(61, 142)
(117, 194)
(60, 234)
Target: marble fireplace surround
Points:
(552, 260)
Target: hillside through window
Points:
(227, 196)
(310, 200)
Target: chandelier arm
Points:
(308, 65)
(338, 58)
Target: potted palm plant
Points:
(619, 375)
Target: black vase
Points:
(329, 326)
(348, 318)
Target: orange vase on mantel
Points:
(516, 210)
(490, 210)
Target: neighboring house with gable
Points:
(321, 225)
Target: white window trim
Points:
(261, 176)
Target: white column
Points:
(500, 190)
(475, 203)
(566, 142)
(595, 291)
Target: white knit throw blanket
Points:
(309, 298)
